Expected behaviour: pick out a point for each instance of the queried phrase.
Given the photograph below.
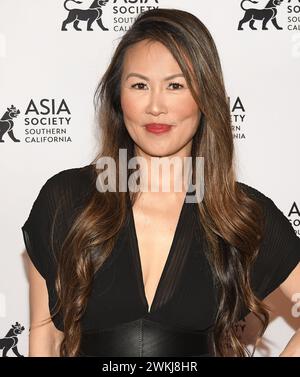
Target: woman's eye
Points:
(139, 85)
(176, 84)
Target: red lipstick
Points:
(158, 128)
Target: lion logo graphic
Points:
(265, 15)
(11, 339)
(7, 123)
(81, 11)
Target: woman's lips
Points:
(158, 128)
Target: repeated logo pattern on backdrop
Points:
(49, 70)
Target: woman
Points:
(146, 273)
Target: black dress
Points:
(117, 321)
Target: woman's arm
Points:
(44, 339)
(290, 287)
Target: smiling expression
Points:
(154, 90)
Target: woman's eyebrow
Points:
(133, 74)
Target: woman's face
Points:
(155, 99)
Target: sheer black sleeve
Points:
(279, 251)
(55, 208)
(37, 229)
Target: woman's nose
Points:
(156, 102)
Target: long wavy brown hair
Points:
(233, 231)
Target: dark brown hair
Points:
(233, 232)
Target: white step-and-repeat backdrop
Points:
(50, 65)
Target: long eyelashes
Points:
(171, 83)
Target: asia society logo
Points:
(7, 123)
(84, 11)
(265, 15)
(262, 15)
(83, 15)
(45, 121)
(238, 116)
(294, 217)
(10, 341)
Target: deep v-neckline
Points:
(137, 258)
